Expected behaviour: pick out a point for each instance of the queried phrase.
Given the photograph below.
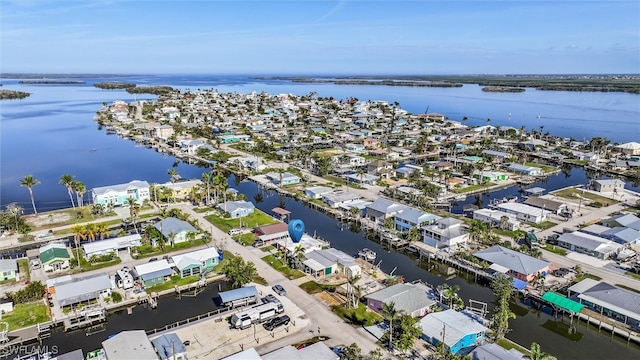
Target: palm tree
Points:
(67, 181)
(102, 229)
(414, 234)
(91, 231)
(451, 293)
(206, 179)
(173, 173)
(537, 354)
(79, 233)
(389, 312)
(29, 182)
(80, 189)
(504, 222)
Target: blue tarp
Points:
(237, 294)
(519, 284)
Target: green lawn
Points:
(360, 316)
(257, 218)
(575, 194)
(555, 249)
(547, 169)
(176, 280)
(246, 239)
(544, 225)
(24, 269)
(587, 276)
(628, 288)
(632, 274)
(508, 345)
(279, 265)
(169, 249)
(24, 315)
(471, 188)
(312, 287)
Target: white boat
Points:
(367, 254)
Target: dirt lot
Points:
(50, 219)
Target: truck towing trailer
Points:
(256, 314)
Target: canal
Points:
(530, 325)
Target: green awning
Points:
(562, 302)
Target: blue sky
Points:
(320, 37)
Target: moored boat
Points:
(367, 254)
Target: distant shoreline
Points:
(50, 82)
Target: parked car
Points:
(278, 321)
(279, 290)
(235, 231)
(270, 298)
(153, 259)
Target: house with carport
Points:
(411, 298)
(82, 290)
(110, 246)
(175, 230)
(153, 273)
(272, 232)
(54, 257)
(454, 329)
(331, 261)
(513, 263)
(197, 262)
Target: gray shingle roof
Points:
(173, 225)
(512, 260)
(406, 297)
(622, 299)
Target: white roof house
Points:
(592, 245)
(338, 198)
(316, 192)
(524, 212)
(451, 327)
(128, 345)
(520, 265)
(103, 247)
(494, 217)
(82, 289)
(119, 194)
(317, 351)
(309, 243)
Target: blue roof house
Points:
(411, 217)
(238, 208)
(283, 179)
(456, 330)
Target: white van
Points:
(235, 231)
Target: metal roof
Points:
(111, 244)
(317, 351)
(237, 294)
(129, 345)
(8, 265)
(562, 302)
(181, 261)
(407, 297)
(493, 351)
(82, 289)
(156, 274)
(513, 260)
(151, 267)
(456, 325)
(617, 299)
(588, 241)
(167, 345)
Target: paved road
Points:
(320, 315)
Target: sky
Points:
(356, 37)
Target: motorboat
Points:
(367, 254)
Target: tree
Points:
(537, 354)
(477, 231)
(173, 173)
(67, 181)
(502, 289)
(79, 233)
(389, 223)
(91, 231)
(389, 312)
(80, 189)
(102, 229)
(29, 182)
(351, 352)
(407, 331)
(237, 271)
(451, 293)
(504, 222)
(414, 234)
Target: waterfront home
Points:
(83, 290)
(239, 297)
(269, 233)
(118, 195)
(54, 257)
(381, 209)
(362, 179)
(123, 278)
(491, 351)
(553, 206)
(283, 179)
(447, 232)
(607, 185)
(411, 217)
(612, 301)
(411, 298)
(8, 269)
(356, 148)
(490, 176)
(588, 244)
(316, 351)
(153, 273)
(626, 220)
(330, 261)
(453, 329)
(163, 132)
(198, 262)
(190, 146)
(250, 163)
(127, 345)
(513, 263)
(110, 246)
(524, 212)
(579, 155)
(175, 230)
(307, 243)
(181, 188)
(361, 205)
(169, 347)
(233, 138)
(630, 148)
(498, 156)
(525, 170)
(316, 192)
(494, 218)
(237, 209)
(339, 198)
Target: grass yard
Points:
(508, 345)
(632, 274)
(279, 265)
(246, 239)
(555, 249)
(176, 280)
(312, 287)
(24, 315)
(544, 225)
(360, 316)
(547, 169)
(257, 218)
(628, 288)
(587, 276)
(24, 269)
(471, 188)
(587, 197)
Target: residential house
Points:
(196, 262)
(525, 170)
(361, 205)
(494, 218)
(233, 138)
(630, 148)
(127, 345)
(269, 233)
(553, 206)
(591, 245)
(175, 230)
(612, 301)
(626, 220)
(607, 185)
(191, 146)
(382, 209)
(375, 167)
(182, 188)
(316, 192)
(513, 263)
(118, 195)
(362, 179)
(492, 351)
(622, 235)
(498, 156)
(153, 273)
(237, 209)
(411, 217)
(110, 246)
(331, 261)
(456, 330)
(83, 290)
(411, 298)
(54, 257)
(490, 176)
(169, 347)
(316, 351)
(445, 233)
(339, 198)
(356, 148)
(164, 132)
(307, 243)
(524, 212)
(283, 179)
(8, 269)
